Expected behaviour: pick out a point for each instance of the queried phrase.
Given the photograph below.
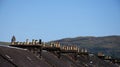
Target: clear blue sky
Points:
(56, 19)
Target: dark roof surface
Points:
(16, 57)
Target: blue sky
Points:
(56, 19)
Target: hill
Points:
(110, 45)
(5, 43)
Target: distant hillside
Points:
(4, 43)
(110, 45)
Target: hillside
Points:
(5, 43)
(110, 45)
(18, 57)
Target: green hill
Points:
(4, 43)
(110, 45)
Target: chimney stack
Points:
(40, 41)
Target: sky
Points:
(56, 19)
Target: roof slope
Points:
(12, 57)
(17, 57)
